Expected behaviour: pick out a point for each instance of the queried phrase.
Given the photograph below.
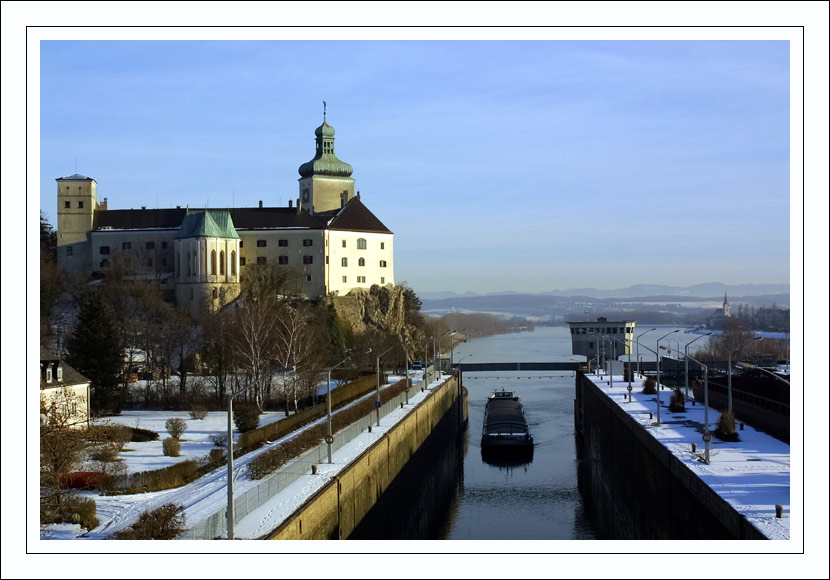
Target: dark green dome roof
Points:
(324, 130)
(325, 162)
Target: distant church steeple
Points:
(725, 305)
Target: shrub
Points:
(143, 435)
(73, 509)
(164, 523)
(726, 427)
(219, 439)
(677, 402)
(216, 457)
(82, 479)
(168, 477)
(246, 417)
(171, 447)
(198, 412)
(650, 386)
(176, 427)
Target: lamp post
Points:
(658, 371)
(229, 511)
(630, 370)
(406, 357)
(638, 349)
(329, 437)
(610, 344)
(707, 437)
(452, 337)
(686, 359)
(377, 371)
(729, 375)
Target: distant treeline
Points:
(479, 324)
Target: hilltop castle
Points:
(331, 239)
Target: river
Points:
(538, 500)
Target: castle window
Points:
(241, 244)
(149, 262)
(104, 250)
(164, 245)
(105, 263)
(383, 280)
(215, 293)
(383, 263)
(48, 375)
(213, 262)
(361, 262)
(382, 245)
(344, 262)
(260, 244)
(327, 260)
(67, 204)
(345, 279)
(361, 279)
(283, 260)
(260, 260)
(80, 205)
(221, 263)
(307, 242)
(241, 261)
(308, 278)
(282, 243)
(150, 245)
(233, 263)
(361, 243)
(308, 259)
(344, 243)
(164, 262)
(68, 250)
(126, 245)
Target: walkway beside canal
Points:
(752, 474)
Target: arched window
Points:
(222, 263)
(344, 262)
(213, 262)
(233, 263)
(361, 243)
(361, 262)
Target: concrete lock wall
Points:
(337, 509)
(634, 488)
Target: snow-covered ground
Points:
(195, 442)
(207, 495)
(752, 474)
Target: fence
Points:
(216, 525)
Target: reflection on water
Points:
(534, 497)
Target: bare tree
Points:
(300, 344)
(61, 446)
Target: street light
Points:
(707, 437)
(406, 357)
(747, 365)
(229, 512)
(638, 350)
(610, 344)
(452, 337)
(377, 372)
(658, 371)
(729, 376)
(686, 359)
(329, 436)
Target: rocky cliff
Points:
(380, 308)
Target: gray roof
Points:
(74, 177)
(70, 376)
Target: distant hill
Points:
(707, 290)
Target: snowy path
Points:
(201, 498)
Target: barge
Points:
(505, 436)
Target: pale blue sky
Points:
(499, 165)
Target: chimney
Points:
(103, 205)
(143, 207)
(290, 203)
(343, 199)
(178, 207)
(260, 204)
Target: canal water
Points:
(537, 500)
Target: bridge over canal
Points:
(517, 366)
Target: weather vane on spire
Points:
(324, 111)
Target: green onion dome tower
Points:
(325, 182)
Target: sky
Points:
(498, 164)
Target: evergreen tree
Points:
(95, 351)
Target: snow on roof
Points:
(757, 454)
